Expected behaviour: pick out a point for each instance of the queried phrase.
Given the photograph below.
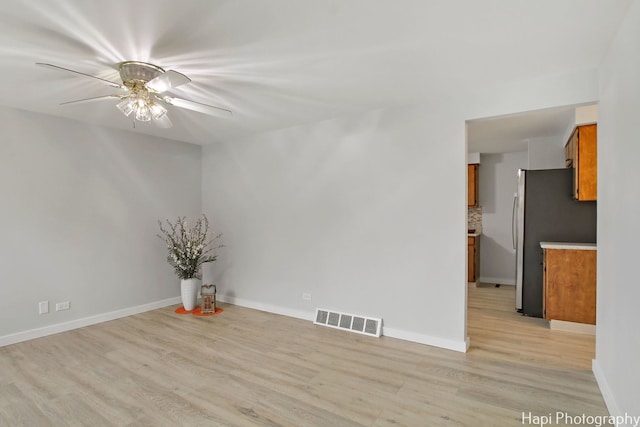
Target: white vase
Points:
(189, 293)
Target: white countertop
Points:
(565, 245)
(476, 234)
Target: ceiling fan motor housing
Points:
(134, 70)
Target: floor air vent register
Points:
(349, 322)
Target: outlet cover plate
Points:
(64, 305)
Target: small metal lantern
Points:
(208, 293)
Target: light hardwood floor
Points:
(246, 367)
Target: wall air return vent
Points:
(349, 322)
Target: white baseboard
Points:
(579, 328)
(270, 308)
(448, 344)
(605, 390)
(85, 321)
(461, 346)
(5, 340)
(498, 280)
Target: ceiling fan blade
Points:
(197, 106)
(55, 67)
(95, 98)
(163, 122)
(166, 81)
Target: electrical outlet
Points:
(306, 296)
(43, 307)
(64, 305)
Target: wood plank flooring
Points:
(250, 368)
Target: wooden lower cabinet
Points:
(570, 285)
(473, 249)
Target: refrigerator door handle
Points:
(513, 220)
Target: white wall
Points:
(349, 211)
(367, 213)
(586, 114)
(618, 317)
(582, 115)
(546, 153)
(78, 218)
(498, 183)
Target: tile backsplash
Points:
(475, 219)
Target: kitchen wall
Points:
(498, 183)
(582, 115)
(617, 340)
(80, 205)
(546, 153)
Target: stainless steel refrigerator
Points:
(545, 211)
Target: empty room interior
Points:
(253, 213)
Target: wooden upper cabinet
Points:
(472, 178)
(570, 149)
(581, 154)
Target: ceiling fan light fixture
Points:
(140, 105)
(157, 111)
(126, 106)
(143, 114)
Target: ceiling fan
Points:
(144, 96)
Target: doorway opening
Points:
(501, 146)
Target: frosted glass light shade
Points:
(157, 111)
(143, 114)
(142, 108)
(126, 106)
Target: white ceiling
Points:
(280, 63)
(514, 132)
